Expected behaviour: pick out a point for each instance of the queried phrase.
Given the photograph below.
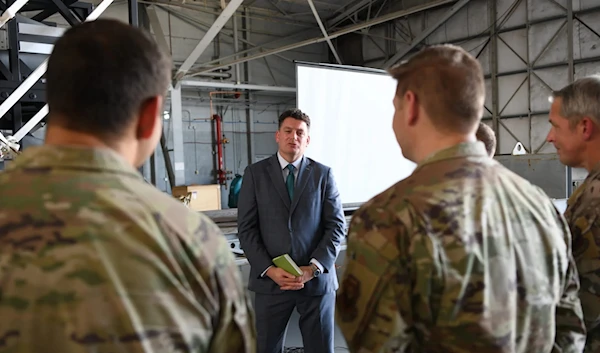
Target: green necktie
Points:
(289, 182)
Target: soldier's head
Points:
(106, 83)
(486, 135)
(575, 122)
(439, 99)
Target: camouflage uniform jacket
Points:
(93, 259)
(583, 215)
(461, 256)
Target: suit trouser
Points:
(273, 313)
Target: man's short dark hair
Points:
(100, 73)
(486, 135)
(296, 114)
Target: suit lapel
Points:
(276, 175)
(303, 177)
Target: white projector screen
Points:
(351, 114)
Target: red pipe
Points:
(220, 164)
(221, 173)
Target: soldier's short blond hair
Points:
(486, 135)
(448, 83)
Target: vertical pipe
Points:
(236, 47)
(494, 69)
(569, 170)
(153, 168)
(220, 165)
(168, 163)
(132, 7)
(133, 13)
(529, 72)
(247, 78)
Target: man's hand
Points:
(307, 273)
(286, 281)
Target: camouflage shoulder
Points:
(585, 202)
(176, 220)
(203, 240)
(375, 229)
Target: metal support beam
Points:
(208, 38)
(203, 26)
(66, 13)
(41, 70)
(157, 28)
(426, 33)
(351, 10)
(349, 29)
(31, 124)
(177, 121)
(234, 86)
(11, 11)
(324, 31)
(14, 62)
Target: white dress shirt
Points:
(285, 172)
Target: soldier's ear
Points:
(148, 116)
(411, 104)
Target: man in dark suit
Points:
(290, 204)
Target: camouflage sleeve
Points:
(570, 327)
(584, 220)
(373, 303)
(233, 326)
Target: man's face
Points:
(292, 137)
(568, 140)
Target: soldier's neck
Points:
(437, 142)
(592, 158)
(59, 136)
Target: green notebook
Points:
(286, 263)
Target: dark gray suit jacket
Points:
(310, 226)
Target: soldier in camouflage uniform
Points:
(93, 259)
(463, 255)
(486, 135)
(575, 132)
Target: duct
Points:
(324, 31)
(349, 29)
(208, 38)
(426, 33)
(234, 86)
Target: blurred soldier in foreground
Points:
(463, 255)
(93, 259)
(575, 132)
(486, 135)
